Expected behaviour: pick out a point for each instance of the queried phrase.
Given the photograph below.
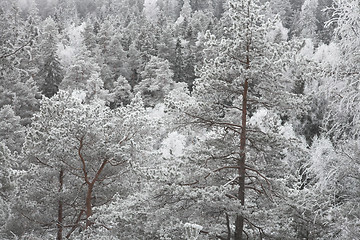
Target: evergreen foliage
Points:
(179, 119)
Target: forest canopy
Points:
(179, 119)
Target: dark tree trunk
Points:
(88, 204)
(60, 207)
(239, 222)
(89, 193)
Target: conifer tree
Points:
(51, 73)
(133, 66)
(186, 10)
(307, 24)
(12, 133)
(89, 35)
(75, 154)
(179, 62)
(67, 13)
(17, 48)
(283, 9)
(170, 8)
(157, 81)
(7, 184)
(151, 10)
(121, 92)
(243, 77)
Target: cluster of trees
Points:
(180, 119)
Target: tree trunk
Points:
(60, 207)
(239, 222)
(90, 191)
(88, 204)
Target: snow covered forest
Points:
(180, 119)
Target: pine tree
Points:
(167, 44)
(241, 92)
(74, 155)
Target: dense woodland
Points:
(180, 119)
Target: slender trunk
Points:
(88, 204)
(239, 222)
(60, 207)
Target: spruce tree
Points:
(51, 72)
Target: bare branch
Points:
(261, 231)
(256, 171)
(99, 172)
(247, 235)
(211, 122)
(226, 167)
(67, 164)
(189, 184)
(231, 181)
(48, 165)
(18, 49)
(255, 189)
(34, 220)
(231, 196)
(74, 174)
(114, 164)
(76, 224)
(232, 107)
